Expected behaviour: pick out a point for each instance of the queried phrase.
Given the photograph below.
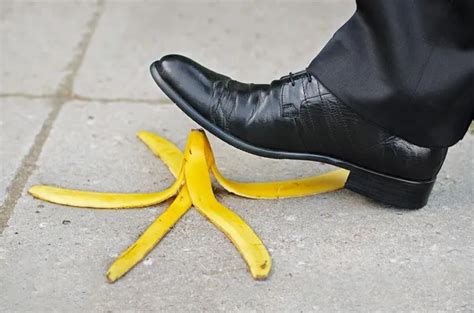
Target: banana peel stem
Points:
(193, 183)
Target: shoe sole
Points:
(380, 187)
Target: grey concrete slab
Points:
(332, 252)
(20, 122)
(38, 39)
(254, 41)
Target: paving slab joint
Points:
(62, 95)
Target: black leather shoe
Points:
(296, 117)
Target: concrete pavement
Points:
(75, 89)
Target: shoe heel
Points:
(390, 190)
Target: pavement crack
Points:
(111, 100)
(28, 163)
(66, 86)
(68, 96)
(62, 95)
(26, 95)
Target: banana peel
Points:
(193, 187)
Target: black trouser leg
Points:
(407, 66)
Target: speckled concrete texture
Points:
(72, 123)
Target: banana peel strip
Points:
(151, 237)
(198, 182)
(172, 156)
(194, 180)
(242, 236)
(103, 200)
(165, 150)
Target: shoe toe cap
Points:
(191, 81)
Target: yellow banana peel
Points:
(151, 237)
(242, 236)
(102, 200)
(327, 182)
(193, 187)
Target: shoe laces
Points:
(293, 76)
